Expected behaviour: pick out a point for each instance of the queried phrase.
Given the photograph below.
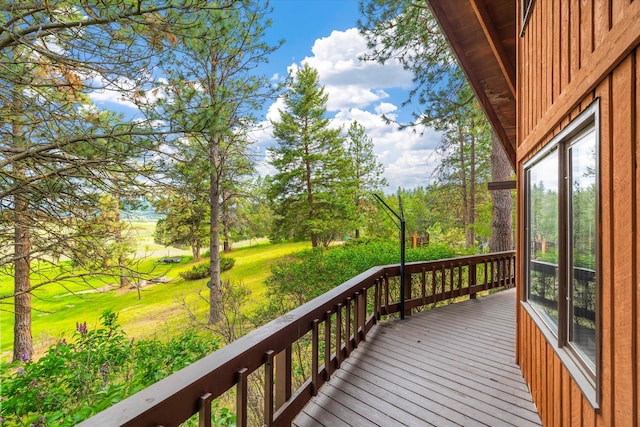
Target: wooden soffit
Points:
(482, 34)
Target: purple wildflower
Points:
(20, 371)
(25, 357)
(81, 328)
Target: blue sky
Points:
(323, 34)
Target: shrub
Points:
(74, 381)
(226, 263)
(200, 271)
(307, 274)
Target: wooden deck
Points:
(450, 366)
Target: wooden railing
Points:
(335, 323)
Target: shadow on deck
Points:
(454, 365)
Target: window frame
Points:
(587, 379)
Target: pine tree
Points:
(313, 186)
(367, 171)
(212, 91)
(56, 152)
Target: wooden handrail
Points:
(346, 313)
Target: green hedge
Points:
(200, 271)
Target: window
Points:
(561, 207)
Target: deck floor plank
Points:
(451, 366)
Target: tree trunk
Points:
(124, 280)
(502, 201)
(214, 236)
(23, 343)
(315, 239)
(471, 219)
(195, 249)
(463, 185)
(22, 339)
(225, 229)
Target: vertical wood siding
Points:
(563, 42)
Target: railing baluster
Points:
(424, 285)
(443, 282)
(241, 398)
(347, 324)
(451, 286)
(268, 387)
(204, 414)
(314, 357)
(283, 376)
(339, 335)
(327, 345)
(376, 300)
(434, 286)
(356, 320)
(363, 313)
(386, 294)
(472, 279)
(494, 272)
(486, 282)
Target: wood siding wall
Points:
(571, 52)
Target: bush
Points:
(308, 274)
(74, 381)
(200, 271)
(227, 263)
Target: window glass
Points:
(543, 237)
(582, 157)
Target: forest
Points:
(73, 175)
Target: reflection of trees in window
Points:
(544, 219)
(582, 228)
(543, 236)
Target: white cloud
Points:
(408, 156)
(412, 169)
(348, 81)
(362, 91)
(385, 108)
(273, 114)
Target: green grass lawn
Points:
(162, 311)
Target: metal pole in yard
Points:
(402, 243)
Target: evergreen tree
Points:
(367, 171)
(56, 153)
(212, 91)
(313, 185)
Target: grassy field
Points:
(162, 310)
